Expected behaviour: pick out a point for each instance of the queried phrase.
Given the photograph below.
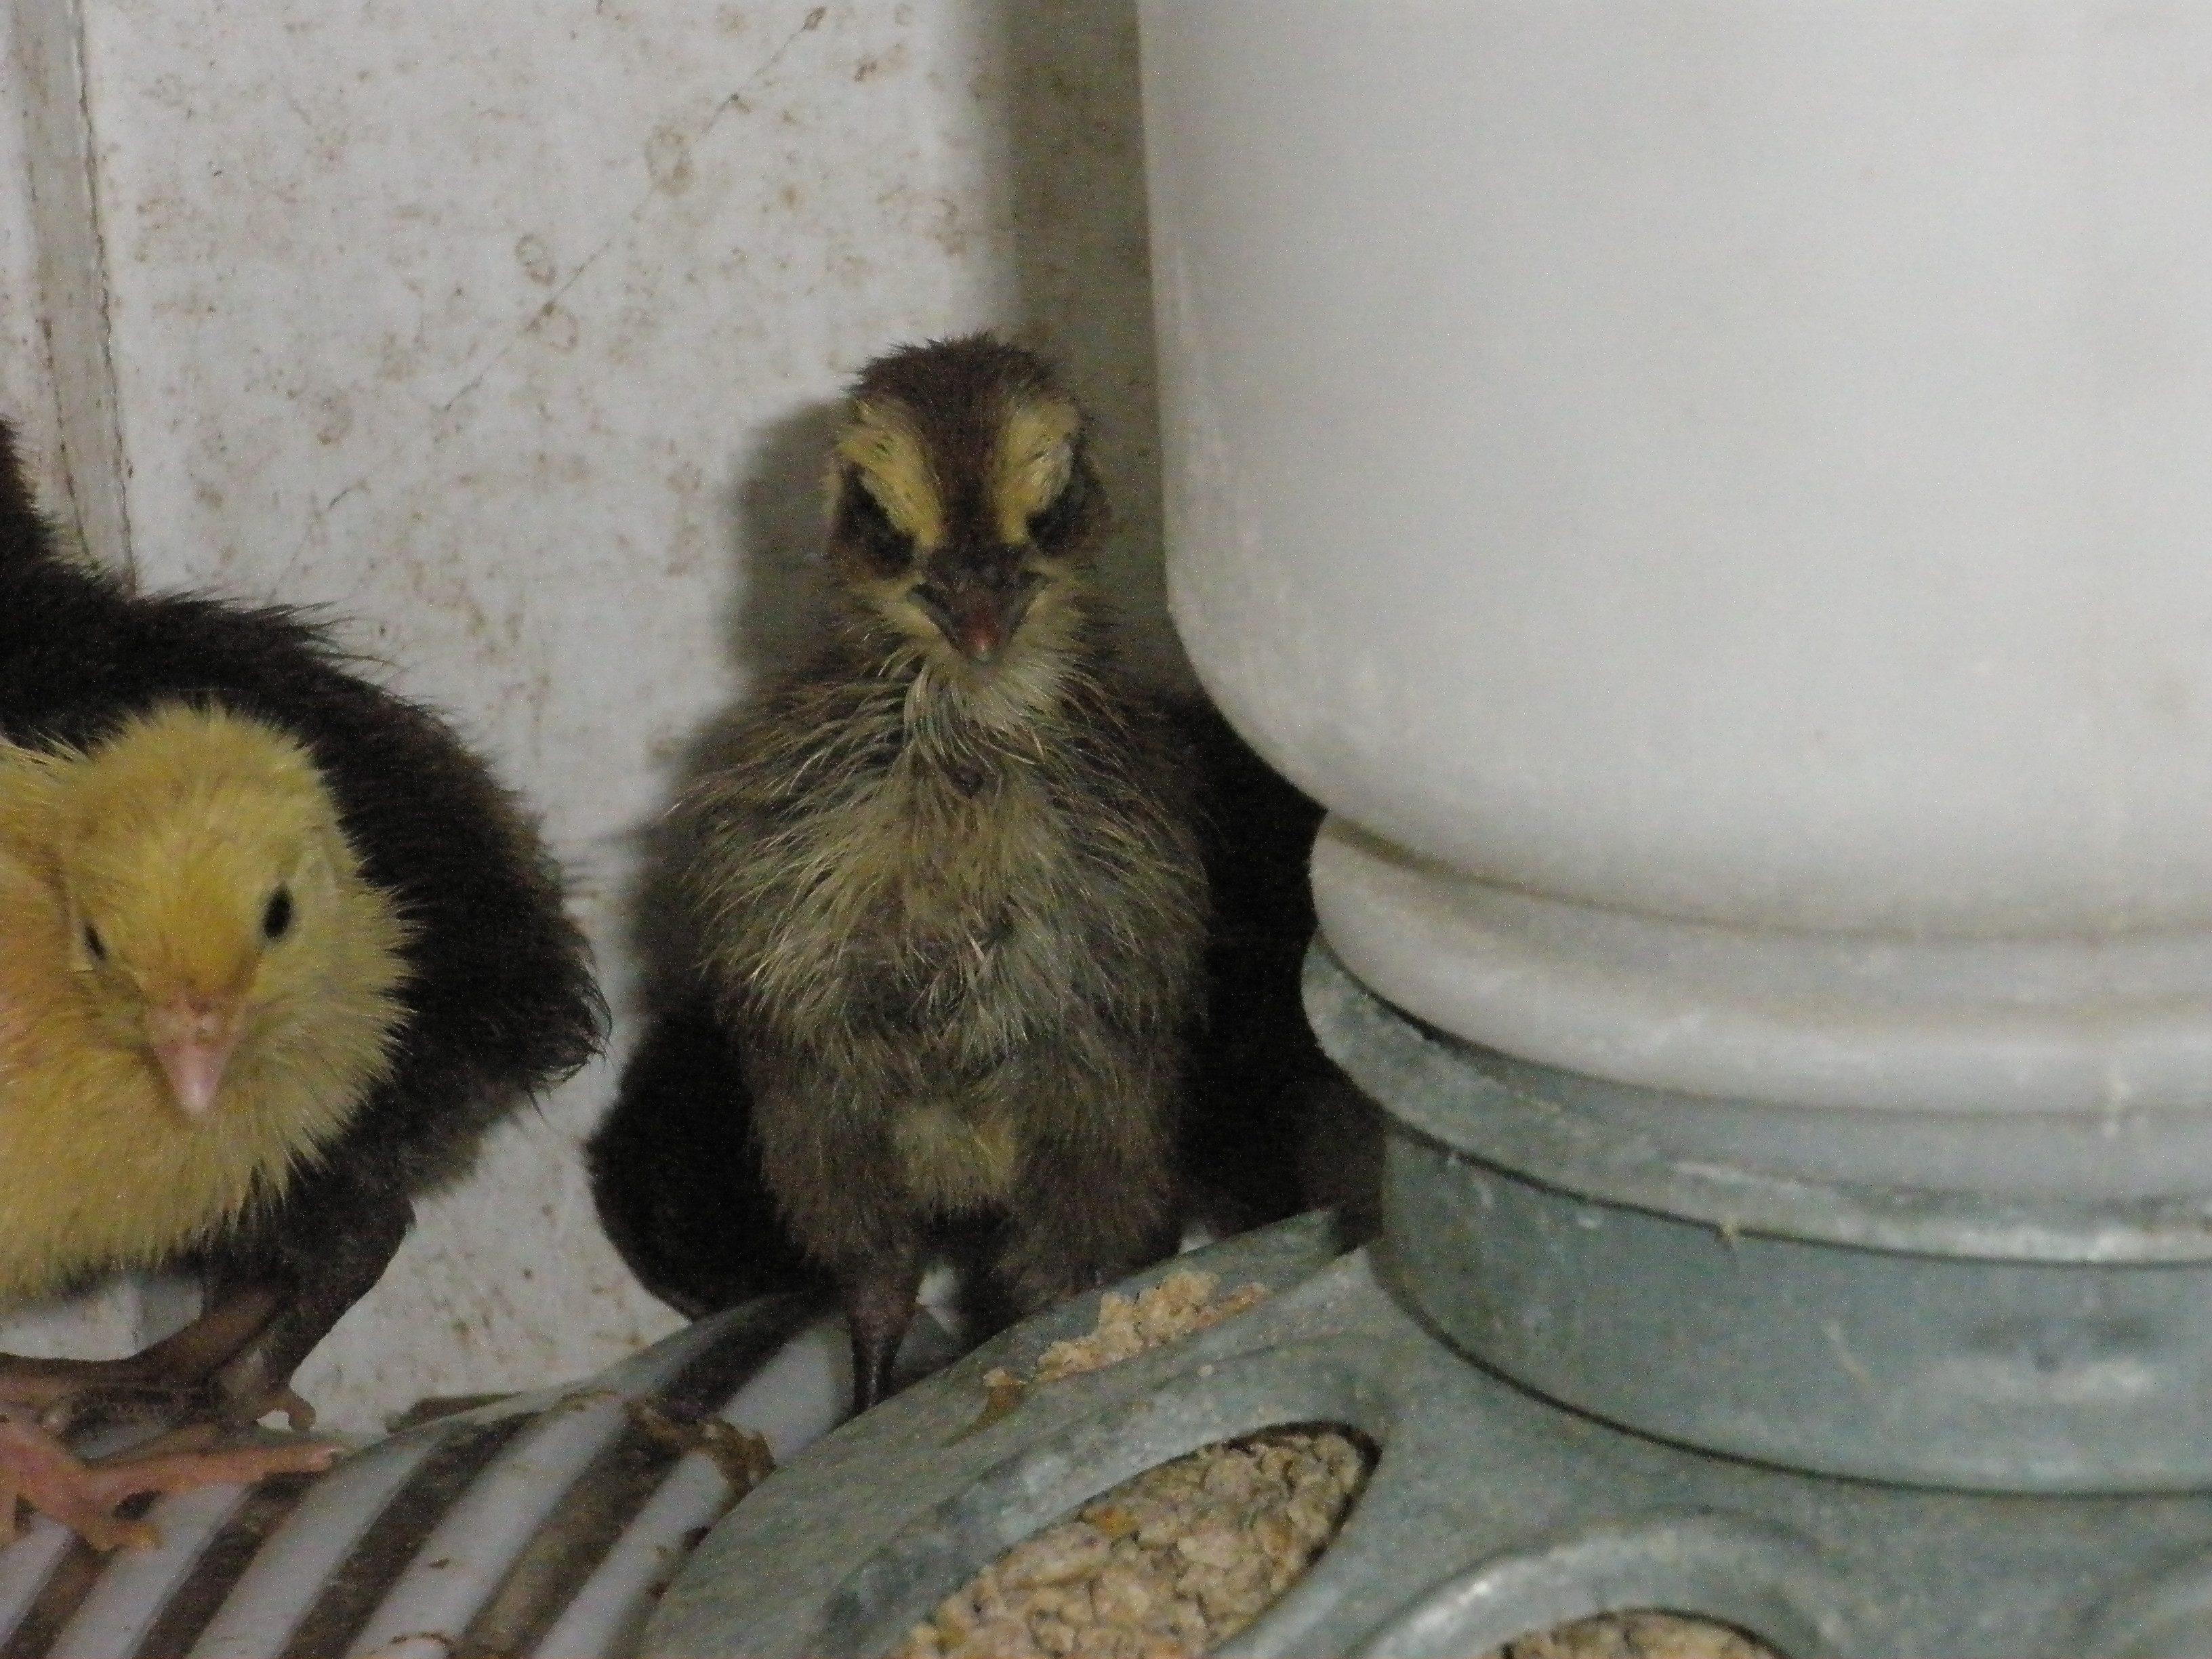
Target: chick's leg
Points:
(168, 1375)
(326, 1249)
(37, 1470)
(1092, 1196)
(272, 1296)
(878, 1299)
(839, 1188)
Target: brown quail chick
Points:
(953, 904)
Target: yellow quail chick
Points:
(495, 999)
(196, 993)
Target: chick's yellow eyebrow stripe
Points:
(894, 467)
(1036, 451)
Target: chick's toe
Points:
(37, 1469)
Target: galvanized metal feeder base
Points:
(2006, 1406)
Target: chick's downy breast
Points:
(893, 912)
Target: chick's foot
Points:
(37, 1469)
(177, 1377)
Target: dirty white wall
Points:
(507, 329)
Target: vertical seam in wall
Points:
(73, 270)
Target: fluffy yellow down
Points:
(146, 869)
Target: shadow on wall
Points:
(777, 516)
(775, 524)
(1075, 193)
(675, 1175)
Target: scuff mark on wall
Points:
(536, 261)
(673, 146)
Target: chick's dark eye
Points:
(1064, 517)
(276, 917)
(869, 529)
(93, 948)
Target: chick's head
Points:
(219, 921)
(963, 508)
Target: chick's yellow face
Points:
(181, 939)
(964, 529)
(198, 862)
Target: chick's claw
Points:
(37, 1469)
(299, 1415)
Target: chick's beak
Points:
(979, 616)
(193, 1038)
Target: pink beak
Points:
(980, 623)
(194, 1045)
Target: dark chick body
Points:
(1258, 1061)
(499, 1001)
(676, 1172)
(953, 904)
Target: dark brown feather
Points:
(676, 1173)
